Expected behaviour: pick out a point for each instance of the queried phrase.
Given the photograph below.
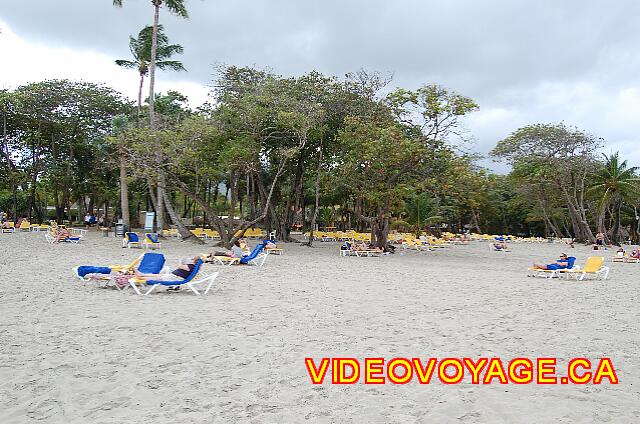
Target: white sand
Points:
(74, 353)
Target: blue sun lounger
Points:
(151, 241)
(131, 240)
(190, 281)
(256, 257)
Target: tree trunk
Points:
(10, 176)
(140, 94)
(380, 229)
(476, 220)
(229, 229)
(317, 201)
(616, 223)
(152, 65)
(34, 180)
(273, 221)
(293, 202)
(124, 191)
(160, 221)
(184, 232)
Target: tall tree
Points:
(141, 51)
(119, 126)
(614, 183)
(374, 166)
(563, 157)
(176, 7)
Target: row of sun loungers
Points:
(150, 241)
(152, 263)
(208, 234)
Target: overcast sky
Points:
(544, 61)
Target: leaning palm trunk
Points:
(184, 232)
(161, 188)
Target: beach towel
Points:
(85, 270)
(121, 280)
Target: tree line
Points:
(312, 151)
(301, 152)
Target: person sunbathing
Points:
(238, 248)
(500, 245)
(635, 254)
(235, 252)
(561, 263)
(183, 271)
(62, 235)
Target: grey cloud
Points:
(498, 52)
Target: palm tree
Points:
(422, 210)
(119, 125)
(177, 7)
(141, 51)
(615, 184)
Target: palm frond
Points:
(177, 7)
(126, 64)
(174, 65)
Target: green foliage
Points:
(615, 181)
(55, 139)
(176, 7)
(422, 210)
(141, 52)
(374, 164)
(431, 108)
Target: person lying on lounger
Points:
(367, 247)
(561, 263)
(237, 249)
(500, 245)
(180, 273)
(62, 235)
(235, 252)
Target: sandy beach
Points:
(71, 352)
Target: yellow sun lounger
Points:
(593, 266)
(224, 260)
(274, 251)
(9, 227)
